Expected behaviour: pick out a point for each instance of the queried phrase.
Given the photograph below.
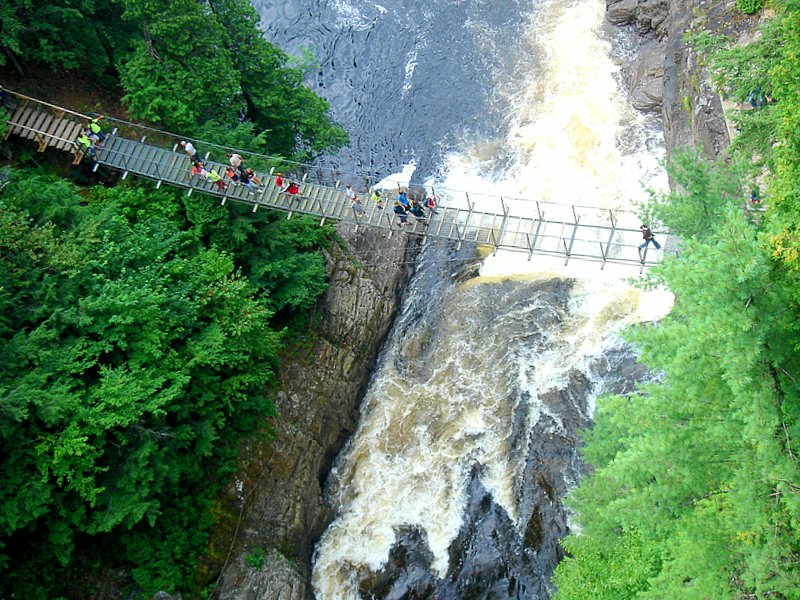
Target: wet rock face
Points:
(492, 557)
(667, 74)
(279, 486)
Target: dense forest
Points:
(197, 68)
(695, 484)
(140, 330)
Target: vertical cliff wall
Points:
(273, 511)
(668, 75)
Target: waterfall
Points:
(451, 486)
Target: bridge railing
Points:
(606, 221)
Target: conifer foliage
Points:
(137, 338)
(695, 489)
(181, 64)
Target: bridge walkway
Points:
(568, 232)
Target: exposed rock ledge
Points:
(279, 485)
(667, 74)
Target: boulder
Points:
(622, 13)
(647, 78)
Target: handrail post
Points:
(460, 238)
(572, 239)
(322, 210)
(504, 224)
(532, 246)
(611, 234)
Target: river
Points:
(452, 486)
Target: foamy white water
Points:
(430, 414)
(565, 127)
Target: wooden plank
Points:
(309, 201)
(71, 134)
(28, 114)
(151, 161)
(68, 134)
(44, 136)
(144, 159)
(35, 126)
(25, 122)
(168, 166)
(15, 117)
(108, 153)
(133, 161)
(57, 131)
(150, 158)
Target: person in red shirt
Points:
(280, 182)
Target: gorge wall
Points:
(274, 512)
(668, 75)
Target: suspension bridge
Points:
(568, 232)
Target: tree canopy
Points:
(138, 335)
(695, 487)
(181, 64)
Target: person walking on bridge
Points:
(86, 144)
(97, 130)
(237, 162)
(216, 179)
(189, 148)
(648, 237)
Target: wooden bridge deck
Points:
(584, 234)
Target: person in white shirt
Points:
(190, 150)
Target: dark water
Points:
(407, 79)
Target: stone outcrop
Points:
(274, 510)
(493, 556)
(667, 74)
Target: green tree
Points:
(61, 34)
(277, 101)
(133, 353)
(180, 72)
(698, 468)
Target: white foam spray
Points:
(421, 431)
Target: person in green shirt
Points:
(86, 145)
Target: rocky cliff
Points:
(273, 511)
(668, 75)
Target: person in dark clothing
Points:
(5, 101)
(400, 211)
(648, 237)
